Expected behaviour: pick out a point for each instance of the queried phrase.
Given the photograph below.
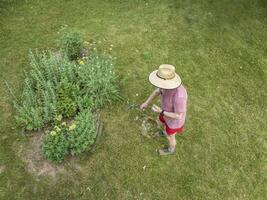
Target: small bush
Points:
(55, 145)
(73, 139)
(83, 134)
(71, 43)
(66, 104)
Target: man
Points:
(172, 112)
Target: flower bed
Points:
(59, 87)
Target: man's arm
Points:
(172, 115)
(154, 94)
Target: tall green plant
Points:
(66, 93)
(39, 100)
(84, 133)
(71, 43)
(98, 81)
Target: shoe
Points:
(166, 151)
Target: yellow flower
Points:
(81, 62)
(53, 133)
(59, 118)
(57, 129)
(72, 127)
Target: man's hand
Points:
(156, 109)
(143, 106)
(154, 94)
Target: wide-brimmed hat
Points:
(165, 77)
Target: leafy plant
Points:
(66, 104)
(55, 144)
(37, 104)
(98, 81)
(71, 44)
(82, 133)
(73, 138)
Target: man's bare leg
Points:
(172, 145)
(172, 142)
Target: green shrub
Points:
(55, 144)
(71, 43)
(40, 97)
(73, 139)
(98, 81)
(66, 104)
(83, 134)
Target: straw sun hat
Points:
(165, 77)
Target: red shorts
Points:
(170, 131)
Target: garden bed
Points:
(60, 98)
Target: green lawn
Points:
(219, 49)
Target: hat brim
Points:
(164, 84)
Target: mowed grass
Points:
(219, 49)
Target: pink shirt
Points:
(174, 100)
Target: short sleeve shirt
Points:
(174, 100)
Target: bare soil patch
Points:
(38, 165)
(36, 162)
